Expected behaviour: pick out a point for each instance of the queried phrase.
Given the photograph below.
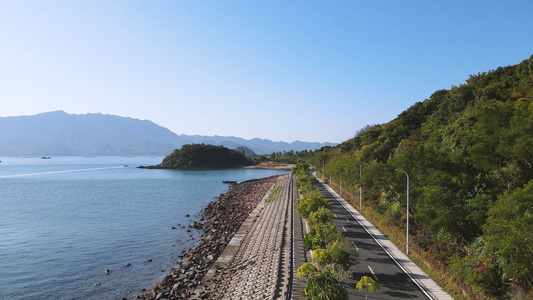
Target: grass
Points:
(273, 194)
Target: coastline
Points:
(271, 166)
(220, 221)
(263, 166)
(254, 264)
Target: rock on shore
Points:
(222, 219)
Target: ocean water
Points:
(65, 220)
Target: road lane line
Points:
(373, 273)
(355, 246)
(400, 265)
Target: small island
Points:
(202, 157)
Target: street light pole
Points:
(340, 184)
(360, 192)
(407, 245)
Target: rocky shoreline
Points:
(285, 167)
(271, 166)
(221, 219)
(194, 168)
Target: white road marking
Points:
(373, 273)
(355, 246)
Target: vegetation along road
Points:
(374, 262)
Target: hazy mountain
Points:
(59, 133)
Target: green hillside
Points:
(201, 156)
(469, 155)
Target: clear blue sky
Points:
(279, 70)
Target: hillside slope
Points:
(468, 152)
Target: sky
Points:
(315, 71)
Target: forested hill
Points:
(201, 156)
(469, 155)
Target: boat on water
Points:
(229, 182)
(46, 157)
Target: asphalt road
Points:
(372, 261)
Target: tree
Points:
(367, 283)
(310, 203)
(338, 255)
(321, 283)
(320, 236)
(321, 215)
(508, 233)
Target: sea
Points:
(98, 227)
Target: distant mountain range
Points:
(60, 133)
